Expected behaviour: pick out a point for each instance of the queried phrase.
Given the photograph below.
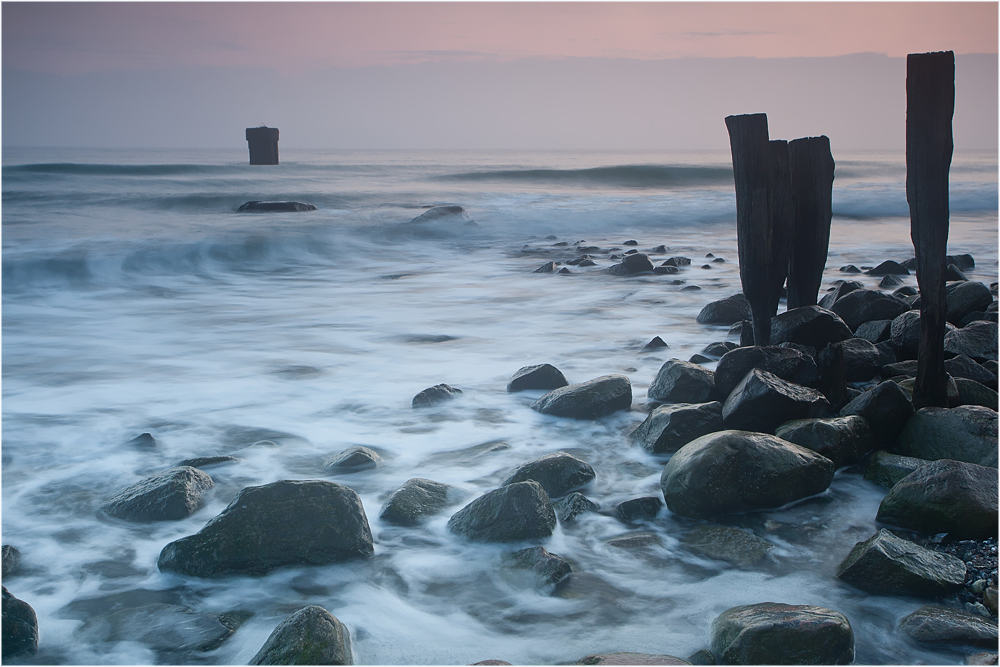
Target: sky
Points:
(482, 75)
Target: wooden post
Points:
(930, 106)
(811, 167)
(263, 142)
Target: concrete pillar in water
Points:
(263, 145)
(930, 106)
(811, 168)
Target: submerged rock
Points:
(631, 265)
(206, 461)
(417, 500)
(353, 459)
(637, 510)
(169, 496)
(587, 400)
(667, 428)
(310, 636)
(449, 212)
(20, 627)
(888, 268)
(274, 206)
(512, 513)
(572, 506)
(949, 628)
(143, 441)
(539, 376)
(888, 565)
(967, 433)
(682, 382)
(735, 546)
(542, 567)
(772, 633)
(434, 395)
(655, 344)
(762, 401)
(843, 440)
(628, 658)
(557, 473)
(11, 559)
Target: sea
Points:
(137, 299)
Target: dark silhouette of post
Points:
(930, 106)
(263, 143)
(811, 168)
(763, 216)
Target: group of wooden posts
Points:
(784, 208)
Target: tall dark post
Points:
(763, 216)
(263, 145)
(811, 167)
(930, 105)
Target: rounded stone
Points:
(310, 636)
(169, 496)
(557, 473)
(512, 513)
(539, 376)
(772, 633)
(587, 400)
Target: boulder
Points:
(977, 340)
(787, 363)
(142, 441)
(417, 500)
(967, 433)
(971, 392)
(631, 265)
(738, 471)
(952, 272)
(169, 496)
(762, 401)
(888, 268)
(904, 334)
(291, 522)
(542, 567)
(944, 497)
(667, 428)
(275, 207)
(964, 297)
(861, 359)
(557, 473)
(679, 261)
(906, 368)
(886, 407)
(885, 469)
(11, 559)
(353, 459)
(547, 267)
(629, 658)
(951, 389)
(875, 331)
(434, 395)
(719, 348)
(888, 565)
(738, 547)
(682, 382)
(310, 636)
(572, 506)
(656, 343)
(512, 513)
(843, 440)
(808, 325)
(637, 510)
(772, 633)
(540, 376)
(842, 289)
(20, 627)
(730, 310)
(850, 268)
(587, 400)
(451, 213)
(865, 305)
(890, 281)
(949, 628)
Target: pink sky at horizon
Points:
(74, 38)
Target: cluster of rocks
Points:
(629, 262)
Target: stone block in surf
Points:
(512, 513)
(587, 400)
(771, 633)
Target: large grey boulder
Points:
(417, 500)
(772, 633)
(967, 433)
(512, 513)
(785, 362)
(558, 473)
(682, 382)
(904, 334)
(888, 565)
(977, 340)
(737, 471)
(966, 297)
(861, 358)
(808, 325)
(667, 428)
(730, 310)
(310, 636)
(539, 376)
(587, 400)
(735, 546)
(885, 468)
(865, 305)
(964, 367)
(888, 268)
(944, 497)
(949, 628)
(842, 289)
(886, 407)
(168, 496)
(843, 440)
(20, 627)
(290, 522)
(762, 401)
(971, 392)
(875, 331)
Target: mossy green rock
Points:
(771, 633)
(310, 636)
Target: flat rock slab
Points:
(739, 471)
(772, 633)
(310, 636)
(20, 627)
(417, 500)
(888, 565)
(735, 546)
(808, 325)
(785, 362)
(439, 393)
(944, 497)
(941, 626)
(885, 468)
(727, 311)
(628, 658)
(886, 407)
(843, 440)
(290, 522)
(587, 400)
(539, 376)
(682, 382)
(169, 496)
(967, 433)
(558, 473)
(512, 513)
(161, 626)
(762, 401)
(541, 567)
(667, 428)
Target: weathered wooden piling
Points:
(263, 142)
(811, 169)
(930, 106)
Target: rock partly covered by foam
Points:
(682, 382)
(11, 559)
(512, 513)
(310, 636)
(353, 459)
(20, 627)
(168, 496)
(772, 633)
(275, 207)
(569, 508)
(417, 500)
(630, 658)
(439, 393)
(888, 565)
(448, 213)
(967, 433)
(735, 546)
(949, 628)
(587, 400)
(762, 401)
(541, 567)
(843, 440)
(558, 473)
(290, 522)
(667, 428)
(539, 376)
(727, 311)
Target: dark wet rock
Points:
(587, 262)
(634, 541)
(981, 659)
(539, 376)
(638, 509)
(771, 633)
(702, 657)
(169, 496)
(874, 331)
(730, 310)
(206, 461)
(808, 325)
(417, 500)
(865, 305)
(762, 401)
(738, 547)
(886, 355)
(658, 250)
(804, 349)
(310, 636)
(719, 260)
(967, 433)
(886, 407)
(888, 268)
(941, 626)
(631, 265)
(861, 359)
(11, 559)
(843, 288)
(843, 440)
(434, 395)
(988, 316)
(885, 468)
(512, 513)
(569, 508)
(547, 267)
(587, 400)
(490, 662)
(629, 658)
(719, 348)
(889, 281)
(353, 459)
(971, 392)
(738, 471)
(143, 441)
(977, 340)
(630, 242)
(667, 428)
(992, 366)
(908, 383)
(467, 456)
(655, 344)
(952, 273)
(964, 261)
(906, 368)
(557, 473)
(682, 382)
(888, 565)
(787, 363)
(689, 288)
(274, 207)
(905, 290)
(450, 212)
(966, 297)
(678, 261)
(944, 497)
(665, 270)
(700, 359)
(308, 522)
(542, 567)
(850, 268)
(20, 627)
(565, 272)
(166, 627)
(706, 266)
(904, 334)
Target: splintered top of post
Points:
(932, 54)
(268, 132)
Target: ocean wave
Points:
(87, 169)
(622, 176)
